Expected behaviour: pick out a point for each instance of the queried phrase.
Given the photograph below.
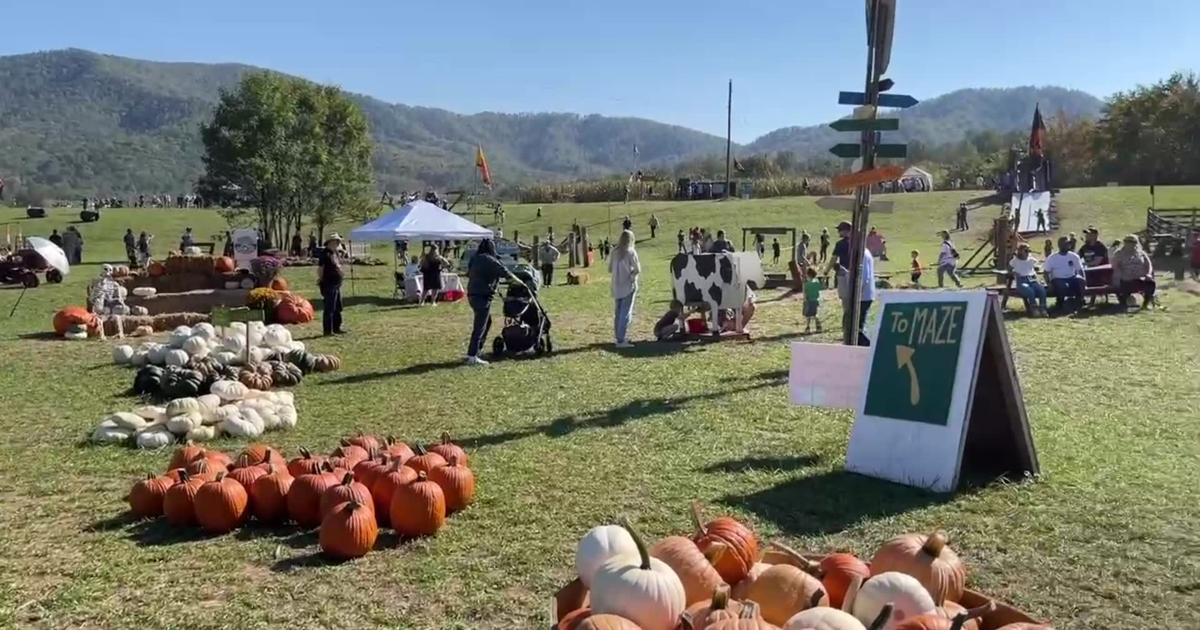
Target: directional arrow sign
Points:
(849, 151)
(846, 204)
(870, 124)
(904, 359)
(866, 178)
(897, 101)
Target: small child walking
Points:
(916, 269)
(1048, 248)
(775, 251)
(812, 300)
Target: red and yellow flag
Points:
(485, 173)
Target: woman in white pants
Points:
(625, 267)
(947, 263)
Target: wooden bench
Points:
(1093, 291)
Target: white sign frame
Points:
(245, 247)
(915, 453)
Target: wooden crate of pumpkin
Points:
(719, 578)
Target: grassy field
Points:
(1109, 536)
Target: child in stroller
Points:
(526, 325)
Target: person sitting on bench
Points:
(1133, 272)
(1024, 270)
(1064, 273)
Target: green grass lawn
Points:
(1107, 537)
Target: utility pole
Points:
(728, 138)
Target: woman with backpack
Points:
(947, 261)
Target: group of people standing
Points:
(71, 242)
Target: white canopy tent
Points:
(921, 174)
(419, 221)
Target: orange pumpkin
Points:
(741, 546)
(221, 504)
(368, 470)
(748, 619)
(247, 475)
(785, 590)
(424, 461)
(261, 453)
(348, 531)
(304, 497)
(224, 264)
(185, 455)
(571, 620)
(448, 449)
(385, 488)
(345, 492)
(457, 483)
(927, 558)
(279, 284)
(836, 572)
(369, 442)
(205, 468)
(293, 309)
(146, 496)
(156, 269)
(351, 454)
(179, 502)
(268, 495)
(305, 464)
(71, 316)
(418, 508)
(697, 574)
(606, 622)
(398, 450)
(703, 613)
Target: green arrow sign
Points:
(850, 151)
(916, 360)
(223, 317)
(866, 124)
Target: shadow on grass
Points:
(831, 502)
(303, 561)
(158, 532)
(40, 336)
(747, 464)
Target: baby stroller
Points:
(526, 325)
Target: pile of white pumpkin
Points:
(230, 409)
(202, 340)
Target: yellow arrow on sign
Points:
(904, 358)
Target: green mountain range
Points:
(74, 122)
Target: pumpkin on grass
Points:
(256, 454)
(369, 443)
(598, 545)
(418, 508)
(146, 496)
(71, 316)
(385, 487)
(457, 483)
(279, 283)
(304, 497)
(246, 474)
(305, 464)
(348, 531)
(448, 449)
(741, 545)
(352, 454)
(639, 588)
(185, 455)
(268, 495)
(178, 503)
(695, 571)
(927, 558)
(221, 504)
(205, 468)
(369, 470)
(326, 363)
(837, 570)
(398, 450)
(425, 461)
(344, 492)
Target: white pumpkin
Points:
(208, 407)
(158, 354)
(297, 345)
(253, 417)
(122, 355)
(157, 436)
(110, 434)
(178, 336)
(225, 357)
(225, 412)
(184, 423)
(139, 359)
(195, 346)
(145, 291)
(277, 336)
(287, 417)
(283, 397)
(598, 546)
(906, 594)
(202, 434)
(259, 354)
(126, 420)
(205, 330)
(239, 426)
(229, 391)
(235, 343)
(823, 618)
(140, 310)
(178, 358)
(270, 419)
(639, 588)
(181, 406)
(152, 413)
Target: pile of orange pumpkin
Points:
(719, 579)
(366, 483)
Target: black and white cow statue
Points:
(717, 281)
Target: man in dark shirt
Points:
(1093, 251)
(841, 249)
(329, 280)
(627, 223)
(130, 246)
(484, 273)
(721, 244)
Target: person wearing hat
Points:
(1133, 272)
(1093, 251)
(841, 262)
(1064, 274)
(329, 280)
(947, 261)
(1023, 267)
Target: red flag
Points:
(485, 173)
(1037, 136)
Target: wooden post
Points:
(571, 250)
(535, 254)
(584, 247)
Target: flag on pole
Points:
(1037, 136)
(635, 149)
(485, 173)
(737, 166)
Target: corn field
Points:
(663, 190)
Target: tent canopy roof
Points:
(419, 220)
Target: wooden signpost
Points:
(942, 399)
(223, 316)
(866, 178)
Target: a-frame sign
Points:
(942, 400)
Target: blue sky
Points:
(667, 60)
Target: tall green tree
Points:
(1151, 134)
(290, 149)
